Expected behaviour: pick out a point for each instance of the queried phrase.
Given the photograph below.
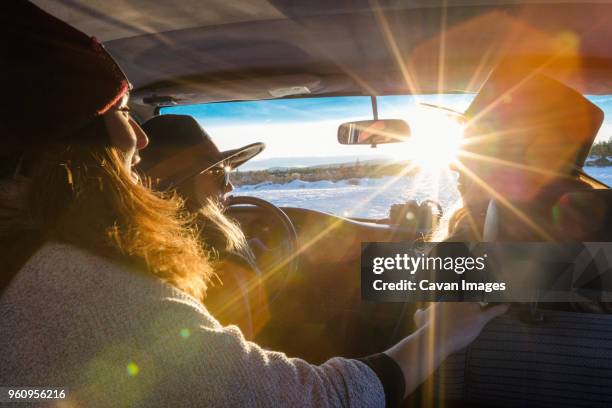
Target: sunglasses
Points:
(220, 174)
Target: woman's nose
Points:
(142, 140)
(229, 187)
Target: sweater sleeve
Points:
(204, 364)
(115, 337)
(390, 375)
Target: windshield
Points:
(304, 166)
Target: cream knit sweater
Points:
(114, 337)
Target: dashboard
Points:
(321, 304)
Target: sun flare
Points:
(435, 140)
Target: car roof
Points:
(189, 51)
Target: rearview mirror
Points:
(373, 132)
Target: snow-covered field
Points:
(600, 173)
(369, 198)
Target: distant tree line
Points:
(333, 173)
(351, 172)
(602, 149)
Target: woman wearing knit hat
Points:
(102, 278)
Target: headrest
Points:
(524, 130)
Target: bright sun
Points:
(435, 140)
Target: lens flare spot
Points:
(568, 42)
(185, 333)
(132, 369)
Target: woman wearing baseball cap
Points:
(103, 279)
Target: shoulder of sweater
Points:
(74, 273)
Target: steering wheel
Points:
(275, 276)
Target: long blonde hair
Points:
(82, 194)
(218, 232)
(217, 226)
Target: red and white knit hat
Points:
(55, 79)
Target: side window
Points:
(599, 162)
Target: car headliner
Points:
(188, 52)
